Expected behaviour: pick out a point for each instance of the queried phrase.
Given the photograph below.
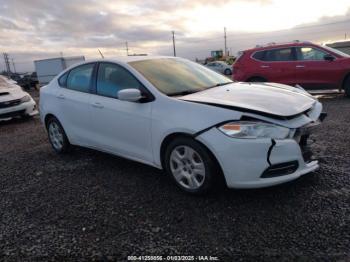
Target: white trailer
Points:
(47, 69)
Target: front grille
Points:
(11, 103)
(4, 93)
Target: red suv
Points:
(304, 63)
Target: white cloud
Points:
(31, 29)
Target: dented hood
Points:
(265, 98)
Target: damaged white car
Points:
(179, 116)
(14, 102)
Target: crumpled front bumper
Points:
(244, 161)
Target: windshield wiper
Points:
(219, 84)
(183, 93)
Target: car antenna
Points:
(101, 53)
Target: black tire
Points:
(212, 176)
(227, 72)
(65, 142)
(347, 86)
(257, 79)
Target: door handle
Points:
(264, 66)
(97, 105)
(61, 96)
(299, 66)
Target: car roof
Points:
(278, 45)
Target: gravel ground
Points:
(90, 205)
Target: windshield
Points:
(336, 51)
(176, 76)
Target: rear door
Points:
(73, 99)
(313, 71)
(118, 126)
(278, 65)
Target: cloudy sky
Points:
(36, 29)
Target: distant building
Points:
(341, 46)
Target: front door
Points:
(313, 71)
(119, 126)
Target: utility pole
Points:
(225, 41)
(173, 32)
(7, 64)
(127, 48)
(14, 67)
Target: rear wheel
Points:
(57, 136)
(191, 165)
(347, 86)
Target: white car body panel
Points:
(137, 130)
(260, 99)
(133, 136)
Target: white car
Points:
(220, 67)
(177, 115)
(14, 101)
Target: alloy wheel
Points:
(187, 167)
(56, 135)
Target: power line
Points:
(245, 34)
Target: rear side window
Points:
(79, 78)
(112, 78)
(259, 55)
(283, 54)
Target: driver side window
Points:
(112, 78)
(310, 54)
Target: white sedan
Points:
(179, 116)
(220, 67)
(14, 101)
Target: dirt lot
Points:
(92, 205)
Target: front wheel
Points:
(191, 165)
(57, 136)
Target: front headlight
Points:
(247, 129)
(26, 98)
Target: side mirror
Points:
(328, 57)
(130, 94)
